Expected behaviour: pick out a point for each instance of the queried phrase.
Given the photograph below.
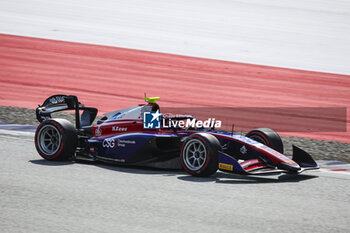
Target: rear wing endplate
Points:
(57, 103)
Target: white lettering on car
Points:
(119, 129)
(57, 99)
(122, 142)
(108, 143)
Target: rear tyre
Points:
(56, 139)
(268, 137)
(199, 154)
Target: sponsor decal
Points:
(122, 143)
(151, 120)
(225, 166)
(57, 99)
(92, 149)
(126, 141)
(98, 131)
(112, 143)
(243, 150)
(119, 129)
(108, 143)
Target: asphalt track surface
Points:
(41, 196)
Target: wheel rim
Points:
(258, 139)
(195, 154)
(49, 140)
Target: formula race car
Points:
(135, 136)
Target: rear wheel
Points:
(56, 139)
(268, 137)
(199, 154)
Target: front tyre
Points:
(268, 137)
(199, 154)
(56, 139)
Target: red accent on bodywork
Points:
(107, 127)
(250, 162)
(258, 166)
(268, 152)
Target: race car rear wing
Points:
(58, 103)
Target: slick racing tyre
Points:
(267, 137)
(199, 154)
(56, 139)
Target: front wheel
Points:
(199, 154)
(56, 139)
(268, 137)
